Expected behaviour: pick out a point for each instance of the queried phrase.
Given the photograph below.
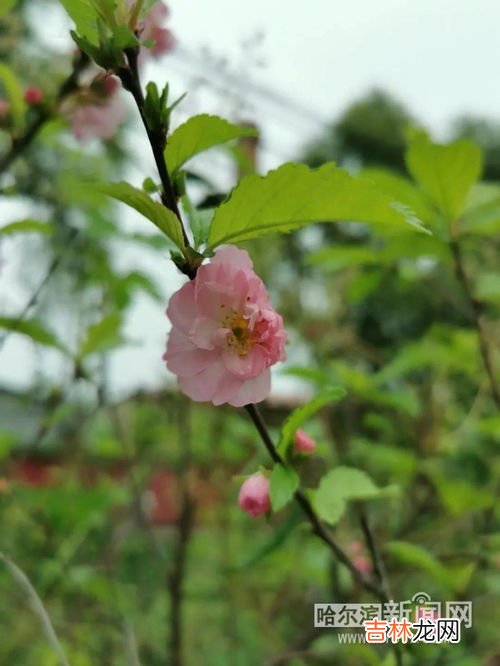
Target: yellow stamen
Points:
(239, 340)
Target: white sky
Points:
(440, 57)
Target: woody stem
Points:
(318, 526)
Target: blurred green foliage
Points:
(382, 315)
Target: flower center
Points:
(240, 337)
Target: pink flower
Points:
(97, 111)
(152, 28)
(362, 564)
(254, 495)
(33, 96)
(225, 335)
(304, 443)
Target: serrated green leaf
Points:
(445, 173)
(198, 134)
(33, 329)
(25, 227)
(341, 485)
(102, 336)
(163, 218)
(294, 196)
(301, 414)
(283, 484)
(84, 17)
(400, 189)
(15, 95)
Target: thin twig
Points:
(20, 143)
(130, 79)
(54, 265)
(477, 312)
(378, 563)
(318, 526)
(37, 605)
(185, 524)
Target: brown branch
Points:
(378, 563)
(319, 528)
(185, 524)
(54, 265)
(20, 143)
(130, 79)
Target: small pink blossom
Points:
(362, 564)
(254, 495)
(33, 95)
(225, 335)
(96, 111)
(97, 120)
(152, 28)
(304, 443)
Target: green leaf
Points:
(162, 217)
(6, 6)
(342, 484)
(102, 336)
(284, 483)
(34, 330)
(199, 221)
(198, 134)
(488, 287)
(418, 557)
(294, 195)
(15, 95)
(26, 227)
(106, 10)
(301, 414)
(84, 17)
(340, 257)
(124, 38)
(482, 210)
(401, 189)
(445, 173)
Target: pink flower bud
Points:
(110, 85)
(362, 564)
(254, 495)
(33, 96)
(304, 443)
